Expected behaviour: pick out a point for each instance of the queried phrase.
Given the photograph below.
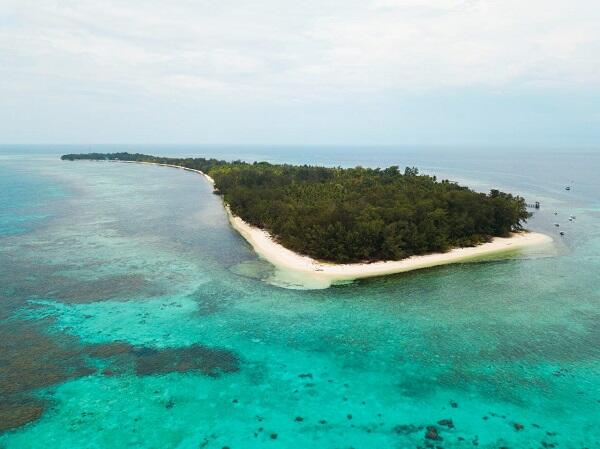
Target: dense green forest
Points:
(353, 214)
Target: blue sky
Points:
(456, 72)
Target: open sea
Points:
(132, 315)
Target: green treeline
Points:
(353, 214)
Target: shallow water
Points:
(133, 316)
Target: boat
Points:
(568, 188)
(562, 233)
(556, 224)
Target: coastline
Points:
(208, 178)
(281, 257)
(327, 273)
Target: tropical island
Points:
(355, 222)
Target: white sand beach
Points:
(208, 178)
(281, 257)
(324, 274)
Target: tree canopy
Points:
(353, 214)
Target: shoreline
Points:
(281, 257)
(289, 261)
(208, 178)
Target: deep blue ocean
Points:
(132, 315)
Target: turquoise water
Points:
(133, 316)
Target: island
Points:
(348, 223)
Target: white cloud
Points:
(309, 50)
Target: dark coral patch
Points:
(446, 422)
(16, 413)
(209, 361)
(432, 434)
(148, 361)
(130, 285)
(29, 360)
(106, 350)
(70, 289)
(406, 429)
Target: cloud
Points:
(300, 49)
(430, 45)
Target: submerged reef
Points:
(31, 360)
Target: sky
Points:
(430, 72)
